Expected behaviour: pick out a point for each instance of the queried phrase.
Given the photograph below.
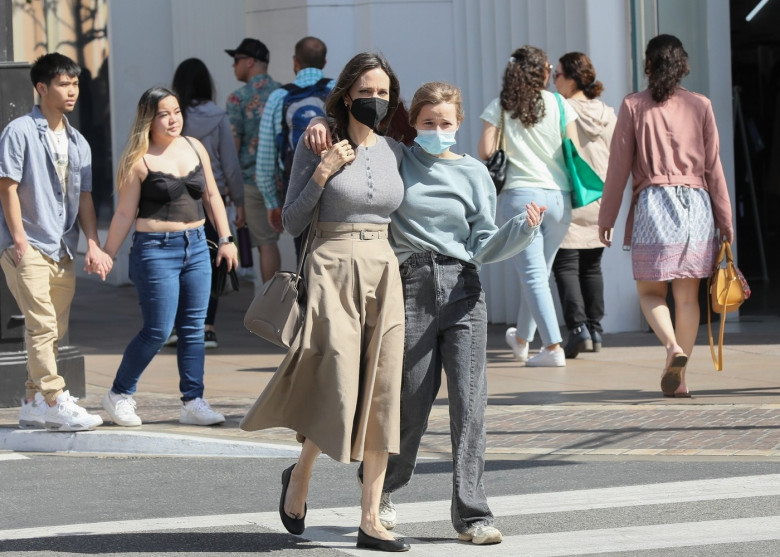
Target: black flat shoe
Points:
(364, 541)
(293, 525)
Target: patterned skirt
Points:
(674, 234)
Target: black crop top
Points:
(173, 198)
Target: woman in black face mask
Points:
(339, 386)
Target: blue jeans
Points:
(172, 274)
(533, 264)
(446, 326)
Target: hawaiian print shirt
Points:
(245, 108)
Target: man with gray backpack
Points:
(286, 115)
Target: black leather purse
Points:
(496, 163)
(222, 280)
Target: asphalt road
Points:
(136, 506)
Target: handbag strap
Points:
(717, 361)
(307, 243)
(561, 112)
(723, 253)
(501, 137)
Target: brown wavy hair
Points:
(338, 113)
(577, 66)
(666, 63)
(524, 78)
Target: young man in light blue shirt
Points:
(46, 193)
(308, 62)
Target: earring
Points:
(345, 104)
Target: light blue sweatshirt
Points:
(449, 207)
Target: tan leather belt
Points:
(355, 234)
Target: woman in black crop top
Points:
(166, 188)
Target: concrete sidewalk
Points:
(606, 403)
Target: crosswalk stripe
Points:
(336, 527)
(12, 456)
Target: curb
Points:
(137, 443)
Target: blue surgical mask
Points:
(435, 142)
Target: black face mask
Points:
(369, 111)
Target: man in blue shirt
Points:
(46, 193)
(308, 62)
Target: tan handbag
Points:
(276, 314)
(727, 290)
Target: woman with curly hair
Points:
(666, 138)
(536, 172)
(577, 265)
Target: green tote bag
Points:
(586, 186)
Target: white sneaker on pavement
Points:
(481, 534)
(388, 516)
(548, 358)
(66, 415)
(198, 412)
(121, 409)
(519, 350)
(32, 414)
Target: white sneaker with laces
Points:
(548, 358)
(121, 409)
(388, 516)
(519, 350)
(481, 534)
(198, 412)
(66, 415)
(32, 414)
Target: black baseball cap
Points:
(252, 48)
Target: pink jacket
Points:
(675, 143)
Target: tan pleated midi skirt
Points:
(340, 383)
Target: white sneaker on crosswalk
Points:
(66, 415)
(519, 350)
(32, 414)
(198, 412)
(481, 534)
(121, 409)
(388, 516)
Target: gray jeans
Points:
(446, 326)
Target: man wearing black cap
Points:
(245, 108)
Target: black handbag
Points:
(496, 163)
(222, 280)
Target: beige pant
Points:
(43, 289)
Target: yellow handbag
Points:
(727, 290)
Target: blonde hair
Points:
(436, 92)
(138, 142)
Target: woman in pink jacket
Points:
(667, 139)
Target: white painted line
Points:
(637, 538)
(12, 456)
(434, 511)
(138, 442)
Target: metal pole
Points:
(6, 31)
(740, 119)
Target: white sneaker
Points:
(548, 358)
(481, 534)
(388, 516)
(198, 412)
(66, 415)
(32, 414)
(121, 409)
(519, 350)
